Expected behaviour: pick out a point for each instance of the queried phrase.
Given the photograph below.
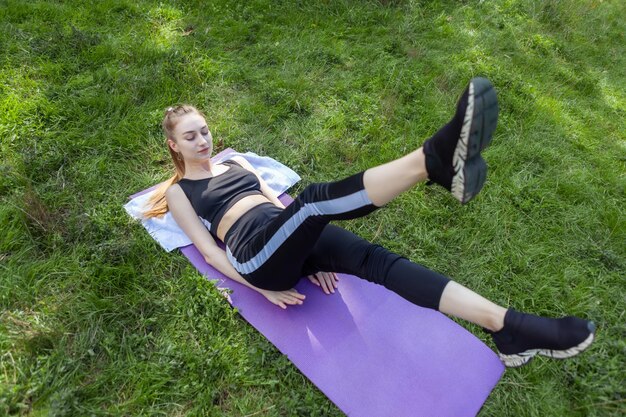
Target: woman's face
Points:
(193, 138)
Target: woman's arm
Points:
(188, 221)
(265, 189)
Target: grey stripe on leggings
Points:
(319, 208)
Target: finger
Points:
(297, 298)
(294, 293)
(324, 284)
(314, 280)
(333, 279)
(329, 281)
(292, 300)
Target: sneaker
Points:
(453, 157)
(525, 335)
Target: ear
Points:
(172, 145)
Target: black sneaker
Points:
(525, 335)
(453, 157)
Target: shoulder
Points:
(174, 192)
(242, 162)
(177, 198)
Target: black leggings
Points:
(298, 241)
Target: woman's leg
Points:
(339, 250)
(451, 156)
(459, 301)
(517, 336)
(385, 182)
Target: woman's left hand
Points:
(326, 280)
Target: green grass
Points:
(96, 319)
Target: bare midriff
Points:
(236, 211)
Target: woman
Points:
(269, 246)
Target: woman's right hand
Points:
(282, 298)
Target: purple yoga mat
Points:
(370, 351)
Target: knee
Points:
(313, 192)
(377, 262)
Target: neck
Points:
(198, 169)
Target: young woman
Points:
(269, 246)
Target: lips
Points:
(205, 150)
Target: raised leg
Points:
(385, 182)
(451, 158)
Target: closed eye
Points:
(192, 137)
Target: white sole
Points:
(479, 124)
(460, 152)
(519, 359)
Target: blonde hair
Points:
(157, 203)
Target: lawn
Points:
(96, 319)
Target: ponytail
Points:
(157, 204)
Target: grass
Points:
(97, 320)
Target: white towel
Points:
(165, 230)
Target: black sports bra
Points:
(212, 197)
